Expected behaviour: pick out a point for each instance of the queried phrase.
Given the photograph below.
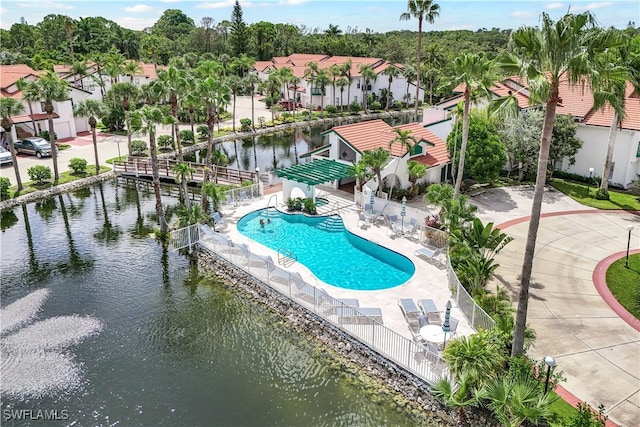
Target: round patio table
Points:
(434, 334)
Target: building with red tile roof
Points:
(298, 63)
(593, 127)
(347, 143)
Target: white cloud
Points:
(527, 14)
(552, 6)
(222, 4)
(135, 23)
(45, 5)
(593, 6)
(139, 8)
(3, 10)
(292, 2)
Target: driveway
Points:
(596, 348)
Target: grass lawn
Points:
(30, 187)
(563, 411)
(624, 283)
(578, 192)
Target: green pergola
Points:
(316, 172)
(311, 174)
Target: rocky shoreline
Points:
(381, 377)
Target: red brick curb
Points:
(551, 214)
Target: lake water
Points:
(152, 342)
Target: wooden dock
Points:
(141, 168)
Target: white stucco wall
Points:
(592, 154)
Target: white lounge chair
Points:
(362, 220)
(360, 315)
(431, 311)
(410, 311)
(243, 197)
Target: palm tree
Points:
(392, 72)
(252, 80)
(93, 110)
(52, 88)
(460, 397)
(69, 25)
(476, 73)
(556, 51)
(114, 64)
(346, 73)
(342, 82)
(405, 138)
(151, 44)
(416, 171)
(609, 90)
(145, 120)
(360, 171)
(184, 173)
(243, 63)
(236, 86)
(335, 72)
(409, 73)
(131, 68)
(424, 10)
(368, 74)
(30, 94)
(295, 82)
(321, 81)
(125, 95)
(11, 107)
(310, 74)
(79, 69)
(213, 192)
(174, 83)
(376, 161)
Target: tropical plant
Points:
(477, 73)
(214, 193)
(165, 142)
(424, 10)
(555, 51)
(50, 89)
(376, 160)
(11, 107)
(5, 184)
(145, 120)
(93, 110)
(360, 171)
(138, 147)
(183, 174)
(39, 173)
(391, 72)
(189, 215)
(174, 83)
(125, 96)
(187, 136)
(416, 171)
(407, 142)
(460, 396)
(355, 107)
(587, 417)
(78, 165)
(245, 125)
(202, 130)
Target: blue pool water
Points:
(335, 255)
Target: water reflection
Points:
(175, 347)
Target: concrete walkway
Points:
(596, 348)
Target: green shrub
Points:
(45, 134)
(376, 106)
(39, 173)
(306, 115)
(601, 194)
(203, 131)
(586, 417)
(331, 109)
(262, 121)
(5, 184)
(245, 125)
(78, 166)
(397, 105)
(186, 136)
(309, 206)
(355, 107)
(165, 142)
(138, 147)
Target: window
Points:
(613, 165)
(136, 81)
(638, 152)
(358, 86)
(368, 87)
(42, 105)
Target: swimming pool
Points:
(335, 255)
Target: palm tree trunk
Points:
(527, 263)
(33, 121)
(164, 227)
(253, 112)
(14, 157)
(418, 64)
(604, 182)
(95, 148)
(465, 136)
(234, 113)
(54, 150)
(127, 120)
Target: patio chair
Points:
(453, 325)
(368, 209)
(431, 311)
(362, 220)
(243, 197)
(410, 311)
(217, 220)
(410, 229)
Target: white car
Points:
(5, 156)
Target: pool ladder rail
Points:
(286, 258)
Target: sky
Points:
(378, 15)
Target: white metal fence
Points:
(476, 316)
(370, 331)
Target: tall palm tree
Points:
(609, 90)
(243, 63)
(11, 107)
(30, 94)
(346, 73)
(295, 82)
(125, 95)
(69, 25)
(310, 74)
(252, 80)
(151, 44)
(184, 173)
(405, 138)
(52, 88)
(131, 68)
(546, 56)
(335, 72)
(368, 75)
(409, 73)
(114, 64)
(93, 110)
(376, 160)
(145, 120)
(392, 72)
(424, 10)
(174, 83)
(342, 82)
(476, 73)
(79, 69)
(321, 81)
(236, 85)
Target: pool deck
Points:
(428, 282)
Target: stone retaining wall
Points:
(410, 392)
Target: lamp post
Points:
(257, 174)
(589, 181)
(118, 143)
(626, 261)
(550, 362)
